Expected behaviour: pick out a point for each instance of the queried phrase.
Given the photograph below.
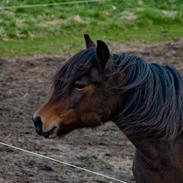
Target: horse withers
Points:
(144, 100)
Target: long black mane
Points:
(153, 104)
(151, 94)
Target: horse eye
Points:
(79, 86)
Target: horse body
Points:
(144, 100)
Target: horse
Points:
(145, 100)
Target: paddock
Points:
(24, 85)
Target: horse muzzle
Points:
(51, 132)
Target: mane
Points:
(76, 67)
(152, 97)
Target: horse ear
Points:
(103, 53)
(89, 43)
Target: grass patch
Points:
(58, 29)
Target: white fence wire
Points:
(62, 162)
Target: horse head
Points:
(79, 97)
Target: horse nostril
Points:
(38, 124)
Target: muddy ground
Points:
(24, 85)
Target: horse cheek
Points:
(90, 119)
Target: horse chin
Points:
(64, 130)
(54, 134)
(51, 133)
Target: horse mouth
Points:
(51, 133)
(54, 131)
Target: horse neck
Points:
(156, 152)
(148, 150)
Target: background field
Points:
(59, 29)
(24, 84)
(35, 43)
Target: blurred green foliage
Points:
(60, 28)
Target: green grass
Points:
(60, 29)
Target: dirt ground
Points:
(24, 85)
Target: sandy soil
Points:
(24, 85)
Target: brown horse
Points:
(144, 100)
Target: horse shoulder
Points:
(166, 167)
